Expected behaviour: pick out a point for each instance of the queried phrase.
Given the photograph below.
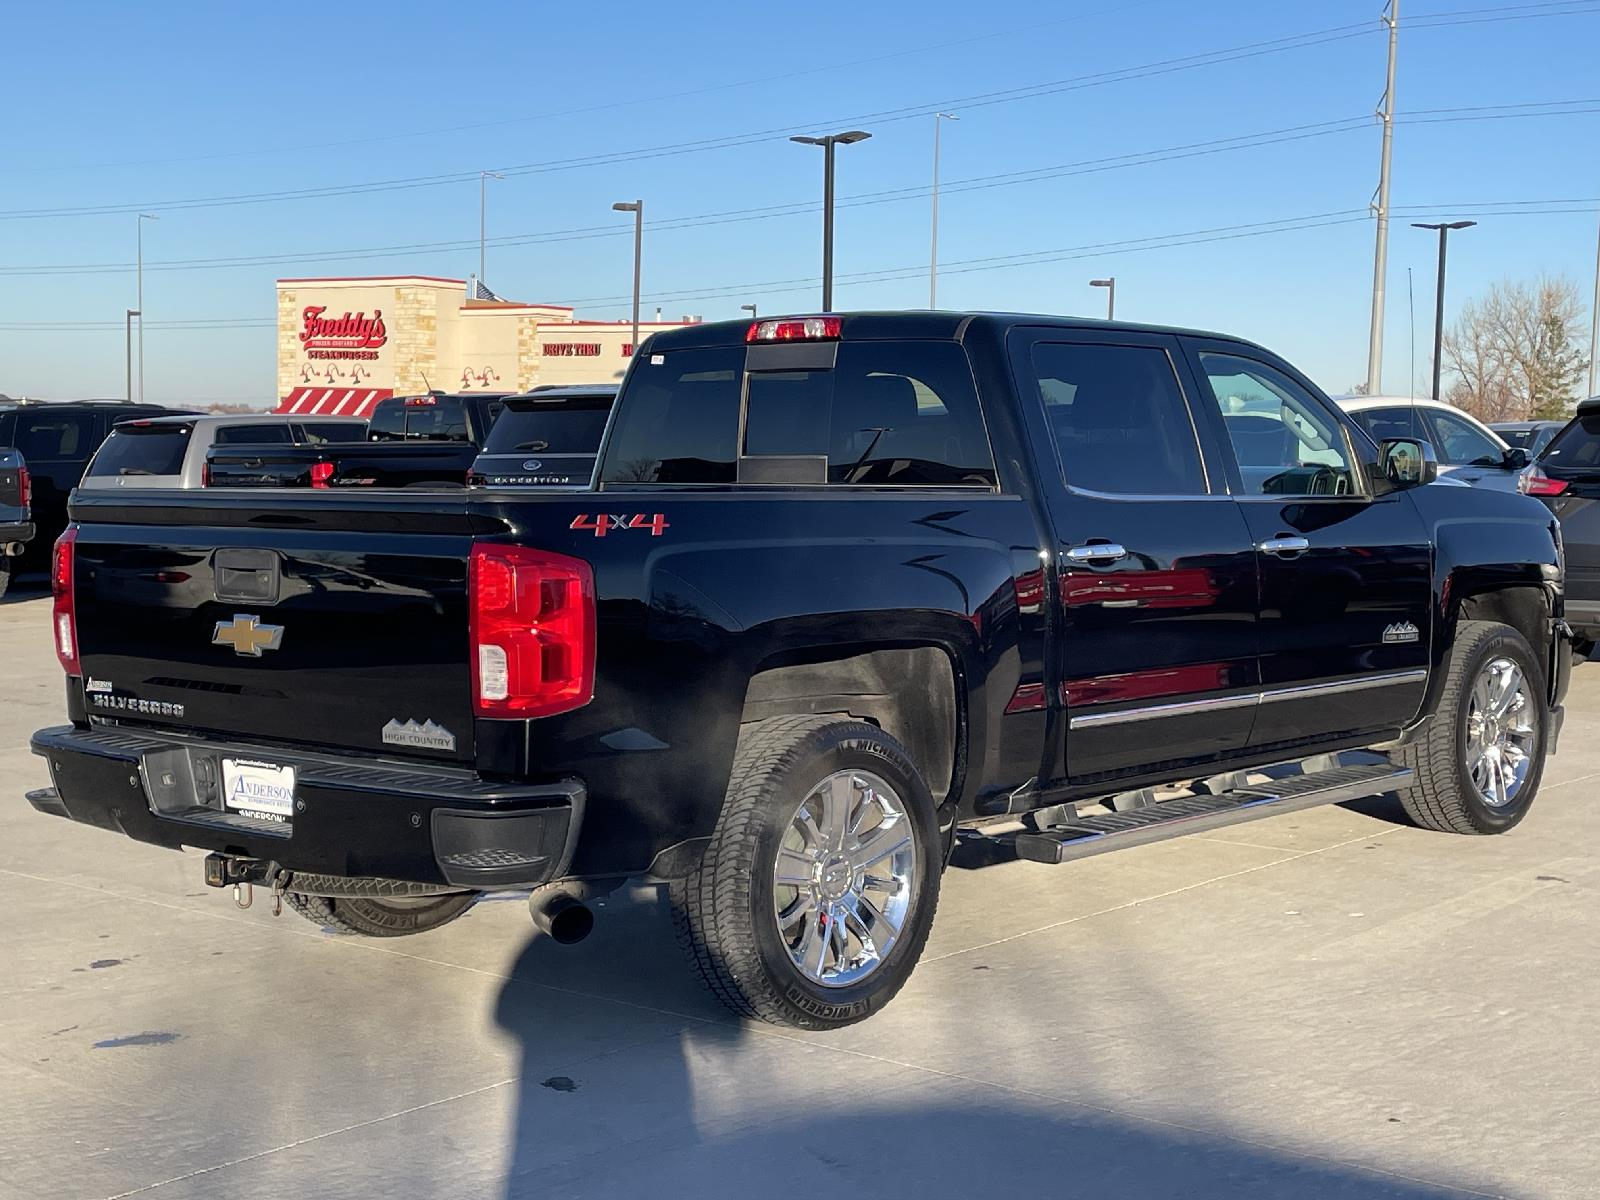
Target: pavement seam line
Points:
(1289, 856)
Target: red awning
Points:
(333, 402)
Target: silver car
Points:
(170, 452)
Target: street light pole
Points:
(933, 251)
(636, 207)
(483, 181)
(1380, 264)
(1444, 229)
(1594, 322)
(1110, 284)
(139, 289)
(849, 137)
(128, 338)
(749, 308)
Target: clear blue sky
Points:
(145, 105)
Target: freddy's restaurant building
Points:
(345, 344)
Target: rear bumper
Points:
(15, 531)
(354, 817)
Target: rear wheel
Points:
(387, 916)
(1479, 763)
(815, 897)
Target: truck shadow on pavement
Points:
(669, 1096)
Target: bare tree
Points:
(1515, 353)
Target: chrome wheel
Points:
(844, 878)
(1502, 732)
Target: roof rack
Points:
(32, 401)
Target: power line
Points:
(806, 207)
(1161, 67)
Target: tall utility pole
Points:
(933, 252)
(848, 138)
(128, 336)
(1110, 284)
(1444, 228)
(636, 207)
(1380, 266)
(483, 212)
(139, 290)
(1594, 322)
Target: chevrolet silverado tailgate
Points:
(323, 620)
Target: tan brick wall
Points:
(288, 342)
(527, 353)
(415, 333)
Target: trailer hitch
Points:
(242, 874)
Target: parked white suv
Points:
(170, 452)
(1469, 451)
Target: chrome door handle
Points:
(1096, 552)
(1284, 544)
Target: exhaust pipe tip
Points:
(561, 917)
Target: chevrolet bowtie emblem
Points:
(247, 635)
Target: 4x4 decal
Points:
(603, 523)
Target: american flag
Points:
(479, 291)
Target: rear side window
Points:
(1384, 423)
(48, 437)
(1118, 419)
(252, 434)
(151, 450)
(1578, 445)
(886, 413)
(1461, 443)
(419, 418)
(571, 426)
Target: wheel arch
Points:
(911, 692)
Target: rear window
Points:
(334, 431)
(1578, 445)
(419, 418)
(895, 413)
(573, 425)
(228, 435)
(142, 450)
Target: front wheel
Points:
(1479, 763)
(814, 899)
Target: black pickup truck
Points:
(853, 596)
(412, 441)
(16, 512)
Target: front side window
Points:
(1286, 442)
(1118, 419)
(1463, 444)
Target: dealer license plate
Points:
(258, 789)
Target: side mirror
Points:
(1516, 458)
(1408, 462)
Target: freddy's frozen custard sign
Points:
(351, 336)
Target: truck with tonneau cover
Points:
(16, 512)
(853, 598)
(411, 441)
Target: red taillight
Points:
(419, 401)
(320, 474)
(66, 622)
(24, 487)
(1534, 482)
(800, 329)
(532, 621)
(205, 474)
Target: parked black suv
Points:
(547, 438)
(56, 440)
(1567, 478)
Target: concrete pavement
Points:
(1326, 1004)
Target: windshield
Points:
(573, 425)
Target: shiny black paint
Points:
(355, 464)
(744, 579)
(16, 519)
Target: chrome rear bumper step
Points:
(1083, 837)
